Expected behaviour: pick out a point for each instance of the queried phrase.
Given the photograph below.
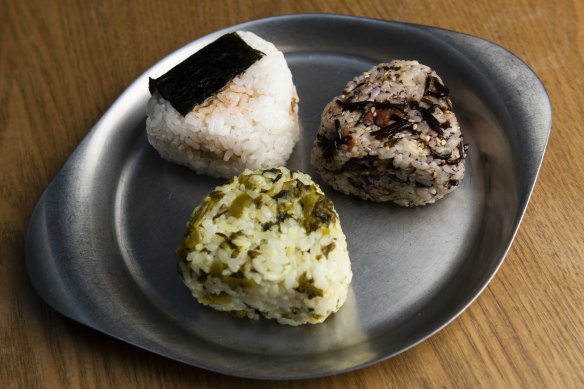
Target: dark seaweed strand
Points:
(387, 68)
(338, 135)
(340, 139)
(326, 145)
(461, 150)
(347, 91)
(356, 184)
(439, 156)
(330, 146)
(414, 104)
(445, 158)
(440, 90)
(363, 181)
(400, 125)
(453, 161)
(363, 163)
(427, 85)
(362, 116)
(422, 185)
(205, 73)
(395, 178)
(431, 120)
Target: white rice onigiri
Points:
(251, 123)
(268, 243)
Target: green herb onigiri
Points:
(269, 243)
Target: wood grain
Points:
(63, 64)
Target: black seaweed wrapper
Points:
(205, 73)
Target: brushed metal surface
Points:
(100, 244)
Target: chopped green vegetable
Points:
(217, 269)
(328, 248)
(217, 299)
(237, 281)
(253, 253)
(310, 201)
(193, 235)
(239, 204)
(318, 211)
(307, 287)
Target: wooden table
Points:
(62, 65)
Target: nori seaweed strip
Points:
(205, 73)
(361, 105)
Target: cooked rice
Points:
(252, 123)
(391, 136)
(268, 243)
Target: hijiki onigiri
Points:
(391, 136)
(231, 105)
(267, 243)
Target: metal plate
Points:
(100, 244)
